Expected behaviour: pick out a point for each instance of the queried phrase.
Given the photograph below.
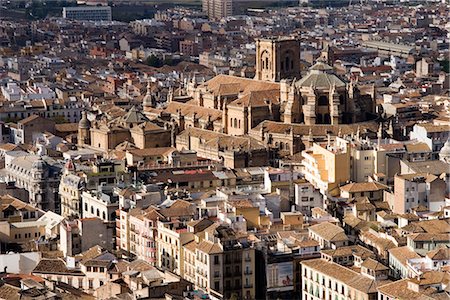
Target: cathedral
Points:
(281, 91)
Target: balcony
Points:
(248, 285)
(248, 272)
(248, 258)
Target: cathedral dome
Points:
(84, 122)
(321, 76)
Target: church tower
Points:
(84, 128)
(148, 101)
(277, 58)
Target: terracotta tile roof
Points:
(342, 274)
(372, 264)
(228, 84)
(417, 148)
(316, 129)
(434, 128)
(191, 246)
(9, 201)
(241, 203)
(54, 266)
(357, 187)
(66, 127)
(30, 119)
(329, 232)
(439, 254)
(152, 151)
(402, 254)
(203, 113)
(178, 208)
(9, 292)
(219, 140)
(10, 147)
(357, 250)
(209, 247)
(258, 98)
(426, 237)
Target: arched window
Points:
(287, 146)
(267, 62)
(239, 123)
(98, 212)
(235, 123)
(104, 216)
(281, 146)
(287, 63)
(323, 101)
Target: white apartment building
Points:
(88, 13)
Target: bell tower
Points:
(277, 58)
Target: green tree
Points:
(154, 61)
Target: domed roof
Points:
(39, 164)
(321, 76)
(84, 122)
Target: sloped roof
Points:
(320, 76)
(329, 232)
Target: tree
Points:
(154, 61)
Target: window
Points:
(216, 285)
(323, 101)
(216, 259)
(91, 283)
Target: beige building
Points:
(217, 9)
(322, 279)
(418, 189)
(70, 189)
(327, 166)
(328, 235)
(233, 152)
(220, 261)
(172, 235)
(132, 126)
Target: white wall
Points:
(17, 263)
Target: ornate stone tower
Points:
(277, 58)
(84, 128)
(149, 100)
